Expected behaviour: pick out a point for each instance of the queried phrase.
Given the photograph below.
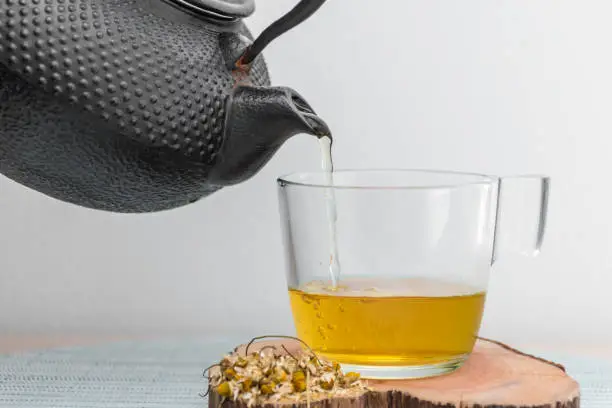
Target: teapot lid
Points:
(224, 9)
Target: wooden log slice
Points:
(495, 376)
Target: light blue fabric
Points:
(168, 374)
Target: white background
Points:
(501, 87)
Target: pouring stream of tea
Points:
(332, 214)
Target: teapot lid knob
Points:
(220, 9)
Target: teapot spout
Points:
(258, 121)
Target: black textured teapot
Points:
(140, 105)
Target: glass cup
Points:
(401, 293)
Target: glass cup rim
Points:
(467, 179)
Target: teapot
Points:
(138, 106)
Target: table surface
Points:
(13, 343)
(119, 371)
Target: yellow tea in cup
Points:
(388, 322)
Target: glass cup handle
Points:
(522, 207)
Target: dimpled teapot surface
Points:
(140, 105)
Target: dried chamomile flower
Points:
(327, 382)
(224, 389)
(230, 373)
(351, 377)
(269, 375)
(299, 381)
(241, 362)
(267, 388)
(247, 383)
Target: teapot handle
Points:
(303, 10)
